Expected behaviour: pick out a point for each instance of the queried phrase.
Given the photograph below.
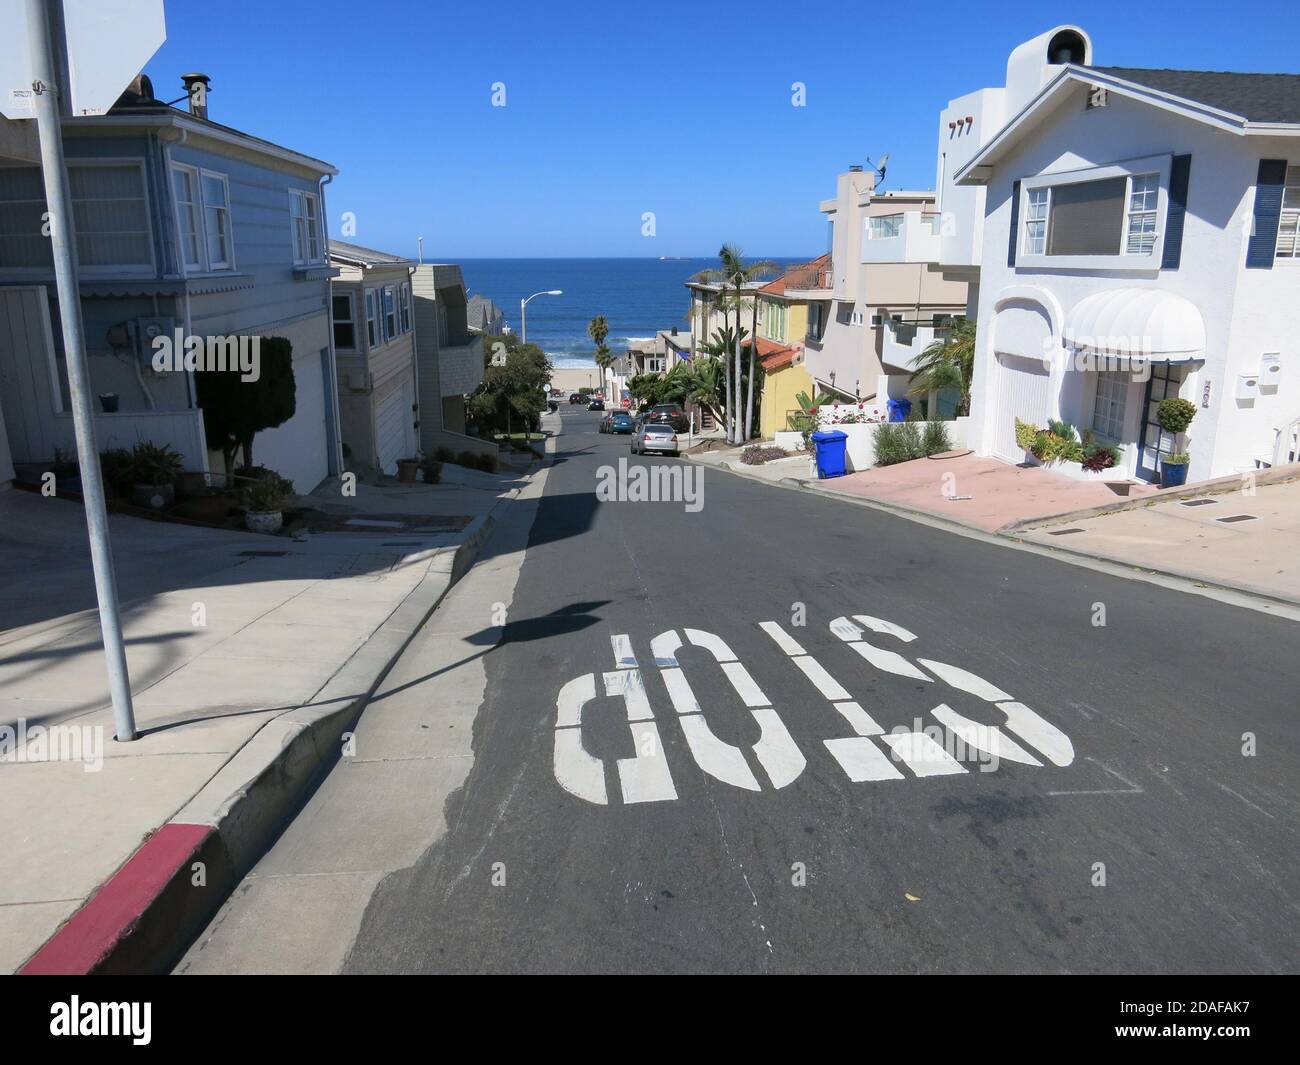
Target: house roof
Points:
(1244, 104)
(774, 355)
(365, 257)
(1252, 97)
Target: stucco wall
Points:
(779, 390)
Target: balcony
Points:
(460, 365)
(907, 237)
(902, 342)
(808, 279)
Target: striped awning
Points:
(1143, 323)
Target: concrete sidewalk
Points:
(248, 656)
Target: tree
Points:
(598, 330)
(736, 273)
(948, 365)
(235, 410)
(513, 378)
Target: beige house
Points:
(374, 343)
(881, 299)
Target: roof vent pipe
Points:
(196, 88)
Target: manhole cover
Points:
(1233, 518)
(1197, 502)
(1063, 532)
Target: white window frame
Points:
(114, 269)
(304, 197)
(1037, 209)
(1131, 216)
(206, 264)
(1115, 381)
(389, 292)
(1120, 259)
(374, 331)
(404, 307)
(893, 232)
(196, 208)
(351, 318)
(1289, 214)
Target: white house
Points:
(1139, 240)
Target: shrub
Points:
(935, 439)
(757, 454)
(117, 468)
(898, 442)
(1180, 458)
(1175, 414)
(487, 462)
(154, 465)
(468, 459)
(445, 454)
(431, 470)
(1026, 436)
(268, 493)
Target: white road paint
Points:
(888, 661)
(822, 680)
(862, 760)
(783, 639)
(1054, 744)
(987, 738)
(922, 755)
(966, 681)
(578, 772)
(888, 628)
(719, 759)
(859, 720)
(715, 645)
(623, 656)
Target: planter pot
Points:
(1173, 474)
(263, 521)
(156, 496)
(407, 469)
(108, 402)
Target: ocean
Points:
(638, 297)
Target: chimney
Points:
(855, 168)
(196, 88)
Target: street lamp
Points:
(523, 311)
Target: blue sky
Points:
(616, 109)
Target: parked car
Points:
(669, 414)
(596, 404)
(653, 436)
(618, 421)
(576, 397)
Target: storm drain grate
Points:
(262, 554)
(1232, 518)
(1198, 502)
(1063, 532)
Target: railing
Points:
(1287, 446)
(803, 278)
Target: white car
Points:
(653, 436)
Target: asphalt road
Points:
(1143, 839)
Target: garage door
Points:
(1023, 389)
(394, 432)
(298, 449)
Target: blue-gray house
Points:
(182, 224)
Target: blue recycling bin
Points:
(899, 409)
(830, 445)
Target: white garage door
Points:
(298, 449)
(394, 427)
(1023, 389)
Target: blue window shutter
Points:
(1015, 223)
(1268, 210)
(1178, 175)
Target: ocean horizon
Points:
(638, 296)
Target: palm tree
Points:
(738, 274)
(598, 330)
(948, 365)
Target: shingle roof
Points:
(355, 253)
(1254, 97)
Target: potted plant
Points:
(1174, 415)
(407, 469)
(108, 402)
(264, 502)
(431, 468)
(153, 475)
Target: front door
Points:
(1164, 382)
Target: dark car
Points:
(618, 421)
(596, 404)
(669, 414)
(576, 397)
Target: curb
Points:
(143, 917)
(1009, 533)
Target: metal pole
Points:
(523, 321)
(64, 240)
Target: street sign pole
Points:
(46, 88)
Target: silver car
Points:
(653, 436)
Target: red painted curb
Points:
(89, 937)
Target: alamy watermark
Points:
(25, 744)
(236, 354)
(659, 483)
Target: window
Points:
(345, 329)
(816, 321)
(774, 318)
(1140, 229)
(390, 312)
(1085, 218)
(406, 307)
(1288, 225)
(882, 227)
(372, 318)
(202, 217)
(305, 216)
(1036, 222)
(1108, 406)
(110, 212)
